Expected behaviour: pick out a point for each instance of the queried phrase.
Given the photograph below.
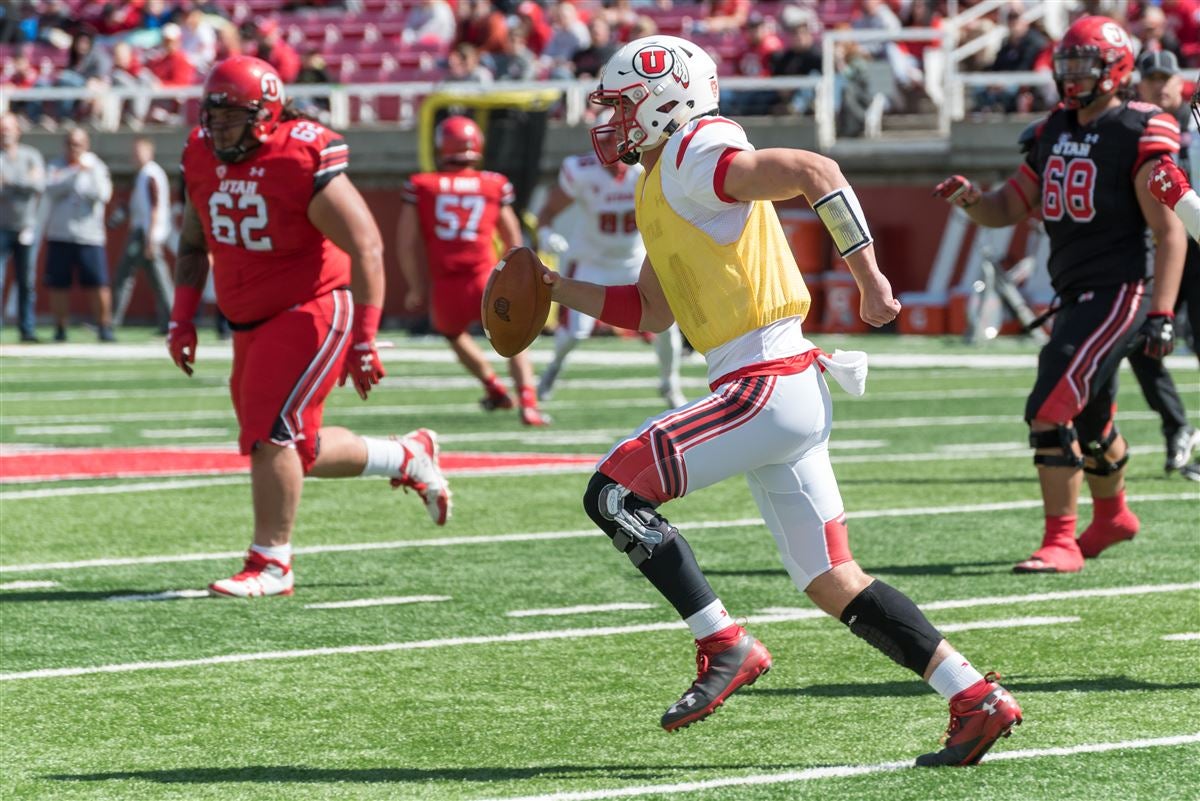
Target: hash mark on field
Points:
(28, 585)
(165, 595)
(391, 601)
(1191, 635)
(39, 431)
(182, 433)
(491, 539)
(845, 771)
(530, 636)
(578, 610)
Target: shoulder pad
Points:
(1028, 137)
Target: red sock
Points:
(1060, 530)
(494, 386)
(528, 398)
(1112, 522)
(1109, 508)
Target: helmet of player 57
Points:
(1092, 48)
(247, 83)
(458, 140)
(654, 85)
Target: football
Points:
(516, 303)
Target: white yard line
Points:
(577, 610)
(532, 636)
(845, 771)
(1008, 623)
(28, 585)
(488, 539)
(170, 434)
(387, 601)
(165, 595)
(1191, 635)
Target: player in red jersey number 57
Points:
(297, 263)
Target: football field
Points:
(514, 654)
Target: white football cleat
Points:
(421, 473)
(261, 576)
(672, 396)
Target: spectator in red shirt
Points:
(718, 16)
(539, 29)
(273, 49)
(172, 67)
(483, 27)
(754, 61)
(1183, 18)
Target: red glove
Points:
(362, 364)
(181, 331)
(959, 191)
(1168, 183)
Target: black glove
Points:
(1158, 332)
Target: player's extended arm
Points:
(191, 273)
(339, 212)
(1169, 252)
(509, 228)
(556, 203)
(638, 307)
(1004, 205)
(1169, 186)
(784, 173)
(410, 255)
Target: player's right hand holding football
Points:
(958, 190)
(1168, 183)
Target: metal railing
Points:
(111, 101)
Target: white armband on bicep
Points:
(1188, 210)
(843, 217)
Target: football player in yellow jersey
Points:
(718, 263)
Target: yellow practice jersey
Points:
(725, 266)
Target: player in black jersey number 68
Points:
(1086, 174)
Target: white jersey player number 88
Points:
(605, 248)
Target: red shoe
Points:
(1103, 534)
(260, 576)
(494, 400)
(533, 416)
(1056, 558)
(722, 667)
(979, 716)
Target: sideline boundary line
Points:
(485, 539)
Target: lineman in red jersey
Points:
(1087, 171)
(298, 268)
(445, 239)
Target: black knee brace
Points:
(890, 621)
(1062, 437)
(631, 522)
(1098, 450)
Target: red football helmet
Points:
(458, 140)
(1092, 48)
(247, 83)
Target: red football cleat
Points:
(722, 666)
(1057, 558)
(979, 716)
(423, 474)
(1102, 534)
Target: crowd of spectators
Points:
(171, 43)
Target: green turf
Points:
(577, 713)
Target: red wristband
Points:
(366, 322)
(187, 303)
(622, 306)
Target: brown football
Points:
(516, 303)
